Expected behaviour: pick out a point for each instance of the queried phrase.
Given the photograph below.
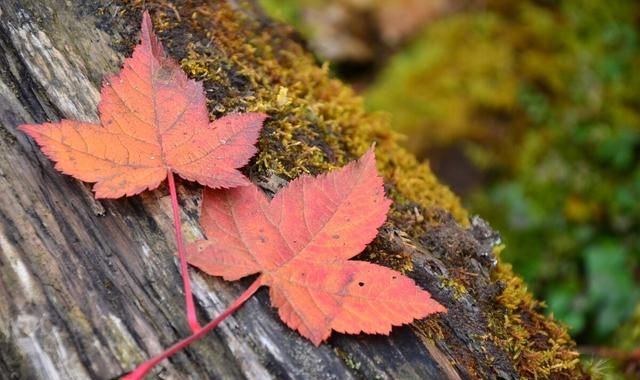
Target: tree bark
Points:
(89, 288)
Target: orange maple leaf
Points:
(154, 122)
(301, 241)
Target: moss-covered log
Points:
(88, 288)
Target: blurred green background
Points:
(530, 111)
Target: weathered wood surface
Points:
(88, 289)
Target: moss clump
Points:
(458, 289)
(347, 359)
(317, 123)
(539, 346)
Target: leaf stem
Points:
(145, 367)
(191, 309)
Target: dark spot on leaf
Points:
(165, 73)
(361, 283)
(336, 236)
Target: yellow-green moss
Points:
(458, 289)
(539, 346)
(347, 359)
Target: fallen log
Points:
(89, 288)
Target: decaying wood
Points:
(88, 289)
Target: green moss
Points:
(347, 359)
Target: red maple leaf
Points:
(301, 242)
(153, 122)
